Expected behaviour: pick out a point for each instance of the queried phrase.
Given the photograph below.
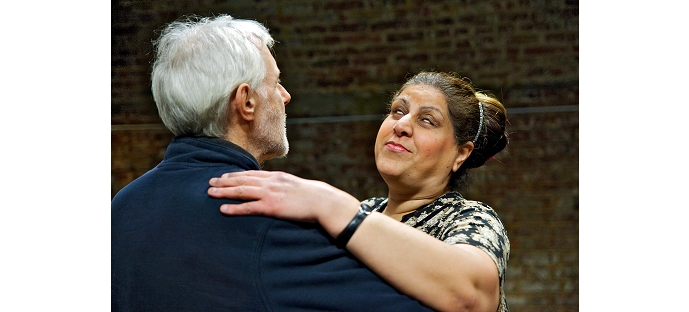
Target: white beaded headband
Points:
(480, 125)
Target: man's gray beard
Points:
(271, 135)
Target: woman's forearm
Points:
(442, 276)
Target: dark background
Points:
(341, 60)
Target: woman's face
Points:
(415, 146)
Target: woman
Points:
(452, 253)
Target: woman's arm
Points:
(444, 277)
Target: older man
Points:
(217, 88)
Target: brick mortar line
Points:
(355, 118)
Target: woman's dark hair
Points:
(462, 102)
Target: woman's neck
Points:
(400, 204)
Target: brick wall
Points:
(343, 58)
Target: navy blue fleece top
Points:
(172, 249)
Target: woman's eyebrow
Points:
(428, 108)
(404, 101)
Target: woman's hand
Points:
(285, 196)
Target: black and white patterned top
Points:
(455, 220)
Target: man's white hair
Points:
(199, 62)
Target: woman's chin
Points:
(390, 176)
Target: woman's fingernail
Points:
(212, 190)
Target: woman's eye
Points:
(427, 120)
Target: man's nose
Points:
(285, 95)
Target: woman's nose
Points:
(403, 126)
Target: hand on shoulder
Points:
(285, 196)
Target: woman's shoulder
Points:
(455, 202)
(458, 215)
(475, 223)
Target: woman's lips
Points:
(395, 147)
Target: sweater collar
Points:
(207, 150)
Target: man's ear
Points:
(463, 152)
(243, 102)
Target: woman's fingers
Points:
(236, 180)
(250, 173)
(253, 178)
(245, 192)
(275, 194)
(243, 209)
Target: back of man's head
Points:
(199, 62)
